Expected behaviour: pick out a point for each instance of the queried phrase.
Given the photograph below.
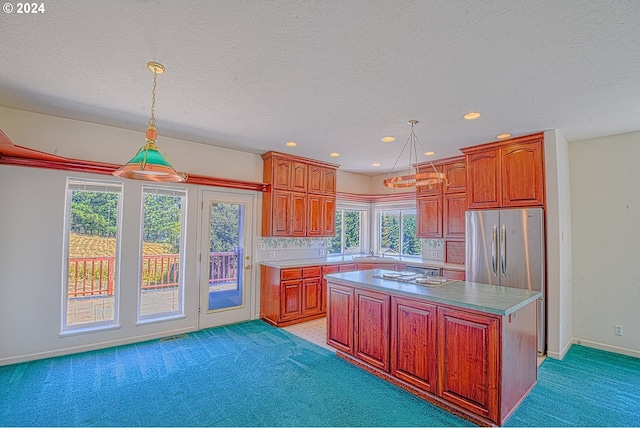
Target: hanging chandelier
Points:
(413, 178)
(150, 163)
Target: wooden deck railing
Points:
(95, 276)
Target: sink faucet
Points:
(389, 250)
(371, 253)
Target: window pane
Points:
(352, 229)
(161, 285)
(389, 238)
(93, 217)
(410, 241)
(335, 242)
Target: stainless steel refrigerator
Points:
(506, 247)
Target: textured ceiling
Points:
(331, 75)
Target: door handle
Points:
(494, 249)
(247, 266)
(503, 250)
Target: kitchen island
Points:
(467, 347)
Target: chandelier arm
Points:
(399, 156)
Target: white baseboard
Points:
(560, 355)
(91, 347)
(609, 348)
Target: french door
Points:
(226, 276)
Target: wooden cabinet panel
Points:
(434, 189)
(413, 342)
(367, 266)
(290, 299)
(429, 216)
(453, 274)
(455, 206)
(298, 214)
(281, 174)
(291, 273)
(328, 216)
(347, 267)
(371, 331)
(454, 252)
(468, 361)
(311, 294)
(484, 179)
(329, 184)
(298, 177)
(340, 317)
(316, 179)
(456, 173)
(281, 220)
(325, 270)
(315, 218)
(522, 175)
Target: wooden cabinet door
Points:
(298, 177)
(347, 267)
(371, 331)
(311, 295)
(328, 216)
(281, 174)
(413, 342)
(290, 299)
(522, 175)
(316, 179)
(329, 181)
(429, 218)
(468, 361)
(367, 266)
(340, 317)
(281, 214)
(298, 214)
(453, 274)
(325, 270)
(483, 179)
(434, 189)
(456, 173)
(315, 225)
(455, 206)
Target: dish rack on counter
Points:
(416, 278)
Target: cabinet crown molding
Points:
(270, 154)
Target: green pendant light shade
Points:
(150, 163)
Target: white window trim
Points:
(376, 208)
(364, 220)
(89, 185)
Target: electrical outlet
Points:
(617, 330)
(322, 251)
(272, 254)
(262, 246)
(434, 254)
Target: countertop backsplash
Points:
(274, 249)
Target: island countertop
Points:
(464, 294)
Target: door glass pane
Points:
(161, 282)
(226, 254)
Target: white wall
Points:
(558, 239)
(605, 200)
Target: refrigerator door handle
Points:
(494, 249)
(503, 250)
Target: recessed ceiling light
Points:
(388, 139)
(334, 154)
(505, 135)
(429, 153)
(472, 115)
(375, 164)
(290, 144)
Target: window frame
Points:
(83, 184)
(180, 312)
(365, 209)
(377, 209)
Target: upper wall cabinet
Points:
(506, 174)
(300, 200)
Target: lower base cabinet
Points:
(477, 365)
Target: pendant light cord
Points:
(152, 120)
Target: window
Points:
(396, 232)
(92, 220)
(349, 227)
(161, 286)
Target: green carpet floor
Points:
(252, 374)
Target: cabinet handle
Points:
(247, 266)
